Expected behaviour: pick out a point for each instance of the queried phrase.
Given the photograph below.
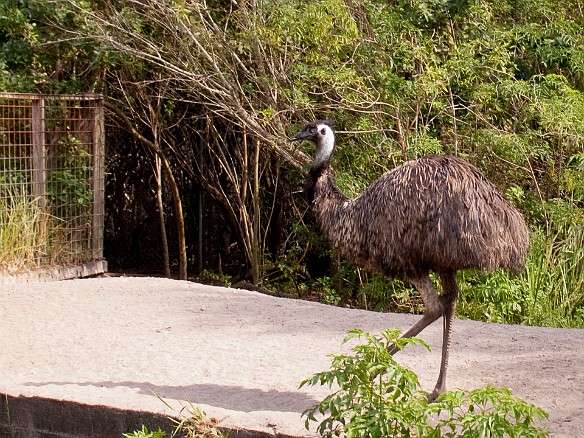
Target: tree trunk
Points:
(256, 268)
(160, 204)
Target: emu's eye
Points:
(312, 130)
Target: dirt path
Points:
(240, 355)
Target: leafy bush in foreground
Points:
(377, 397)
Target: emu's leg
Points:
(448, 299)
(432, 302)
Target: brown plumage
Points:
(437, 213)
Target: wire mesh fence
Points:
(51, 181)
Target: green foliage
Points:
(487, 412)
(69, 183)
(382, 294)
(36, 56)
(289, 272)
(16, 31)
(378, 397)
(328, 294)
(145, 433)
(495, 297)
(215, 278)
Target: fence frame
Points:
(97, 264)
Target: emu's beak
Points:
(300, 136)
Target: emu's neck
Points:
(332, 211)
(323, 194)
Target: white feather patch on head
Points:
(326, 143)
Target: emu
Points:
(437, 213)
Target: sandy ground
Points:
(240, 355)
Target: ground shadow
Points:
(234, 398)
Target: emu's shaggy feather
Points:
(436, 213)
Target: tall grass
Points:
(554, 279)
(23, 230)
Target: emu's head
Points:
(321, 134)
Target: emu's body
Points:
(437, 213)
